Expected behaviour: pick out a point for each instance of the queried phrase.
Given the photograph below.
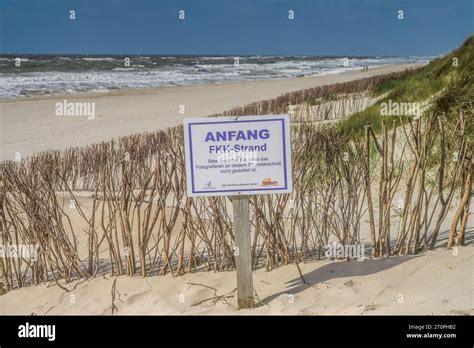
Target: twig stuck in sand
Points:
(113, 307)
(301, 273)
(257, 300)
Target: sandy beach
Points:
(30, 124)
(217, 166)
(439, 282)
(409, 284)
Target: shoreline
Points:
(380, 70)
(29, 125)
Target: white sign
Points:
(243, 155)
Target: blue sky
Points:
(235, 27)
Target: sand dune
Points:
(438, 282)
(30, 125)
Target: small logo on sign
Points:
(208, 185)
(269, 182)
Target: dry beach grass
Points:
(120, 208)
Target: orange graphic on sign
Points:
(269, 182)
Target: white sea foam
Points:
(69, 75)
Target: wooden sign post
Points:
(238, 157)
(243, 259)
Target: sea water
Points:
(29, 75)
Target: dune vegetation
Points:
(120, 207)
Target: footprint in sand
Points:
(349, 284)
(370, 307)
